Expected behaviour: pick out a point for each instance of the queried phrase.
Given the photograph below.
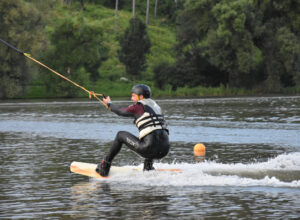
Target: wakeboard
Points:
(89, 169)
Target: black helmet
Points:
(142, 89)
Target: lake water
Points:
(251, 169)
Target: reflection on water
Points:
(251, 168)
(169, 202)
(106, 201)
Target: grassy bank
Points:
(122, 89)
(162, 36)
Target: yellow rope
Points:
(91, 93)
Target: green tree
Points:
(162, 71)
(77, 52)
(249, 41)
(278, 39)
(217, 31)
(168, 8)
(112, 3)
(20, 25)
(135, 44)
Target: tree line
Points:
(239, 43)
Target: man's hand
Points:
(106, 100)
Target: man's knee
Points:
(127, 138)
(120, 136)
(120, 133)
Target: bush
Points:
(162, 72)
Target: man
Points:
(153, 141)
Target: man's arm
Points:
(120, 111)
(131, 111)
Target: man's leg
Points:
(122, 137)
(157, 147)
(148, 164)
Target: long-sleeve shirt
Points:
(134, 111)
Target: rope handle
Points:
(91, 93)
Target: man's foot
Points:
(103, 167)
(148, 165)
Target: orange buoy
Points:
(199, 150)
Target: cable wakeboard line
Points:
(91, 93)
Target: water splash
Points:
(281, 171)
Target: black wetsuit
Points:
(155, 145)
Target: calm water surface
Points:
(251, 169)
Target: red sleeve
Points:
(136, 109)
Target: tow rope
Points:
(91, 93)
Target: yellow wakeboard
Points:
(89, 169)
